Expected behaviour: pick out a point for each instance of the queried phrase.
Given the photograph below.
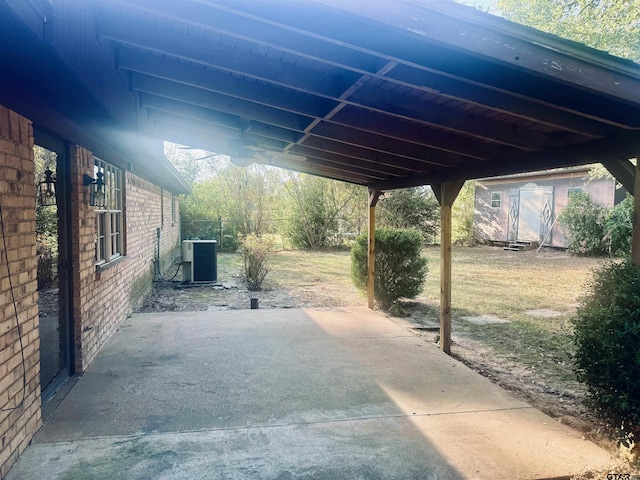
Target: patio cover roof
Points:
(385, 93)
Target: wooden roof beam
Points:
(623, 171)
(431, 25)
(216, 18)
(204, 140)
(161, 82)
(624, 145)
(216, 101)
(347, 136)
(457, 121)
(463, 29)
(262, 68)
(221, 119)
(219, 138)
(362, 153)
(409, 131)
(200, 51)
(231, 133)
(353, 163)
(355, 142)
(198, 76)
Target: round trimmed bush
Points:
(400, 270)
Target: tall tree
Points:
(609, 25)
(320, 210)
(415, 207)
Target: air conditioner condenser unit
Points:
(199, 261)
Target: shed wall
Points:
(491, 224)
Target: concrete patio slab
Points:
(277, 394)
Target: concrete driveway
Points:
(288, 394)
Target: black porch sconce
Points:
(47, 189)
(97, 197)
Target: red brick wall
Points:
(102, 300)
(17, 199)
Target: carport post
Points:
(374, 195)
(446, 194)
(635, 236)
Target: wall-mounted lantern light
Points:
(47, 189)
(97, 197)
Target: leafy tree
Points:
(242, 199)
(462, 214)
(619, 227)
(585, 221)
(199, 212)
(400, 270)
(320, 211)
(411, 208)
(194, 165)
(609, 25)
(246, 198)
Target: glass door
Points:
(53, 252)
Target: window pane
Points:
(101, 241)
(109, 239)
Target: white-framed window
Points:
(496, 199)
(573, 190)
(109, 219)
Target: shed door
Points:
(529, 218)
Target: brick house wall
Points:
(17, 200)
(103, 299)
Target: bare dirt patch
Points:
(297, 280)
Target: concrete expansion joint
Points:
(126, 438)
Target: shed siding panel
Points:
(491, 225)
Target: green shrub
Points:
(400, 270)
(585, 221)
(462, 214)
(607, 336)
(620, 226)
(46, 266)
(255, 256)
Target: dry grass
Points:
(321, 279)
(489, 280)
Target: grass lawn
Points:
(489, 280)
(485, 280)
